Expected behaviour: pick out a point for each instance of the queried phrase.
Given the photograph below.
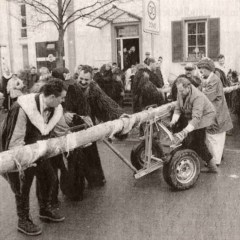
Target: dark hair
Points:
(59, 73)
(33, 67)
(54, 86)
(234, 74)
(114, 63)
(87, 69)
(150, 60)
(160, 57)
(220, 56)
(184, 81)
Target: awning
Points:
(111, 15)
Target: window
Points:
(25, 56)
(23, 21)
(196, 40)
(193, 39)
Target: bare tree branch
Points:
(64, 10)
(85, 14)
(41, 22)
(80, 10)
(43, 6)
(41, 11)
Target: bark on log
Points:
(28, 154)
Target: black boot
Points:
(26, 226)
(47, 212)
(211, 168)
(25, 223)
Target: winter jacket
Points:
(196, 108)
(213, 89)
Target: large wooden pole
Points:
(26, 155)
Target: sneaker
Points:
(51, 214)
(27, 227)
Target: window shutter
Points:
(177, 41)
(213, 38)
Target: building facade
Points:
(188, 30)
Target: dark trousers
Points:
(195, 140)
(46, 181)
(92, 166)
(72, 181)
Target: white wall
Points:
(227, 11)
(94, 46)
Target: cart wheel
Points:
(182, 171)
(138, 154)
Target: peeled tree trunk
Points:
(25, 156)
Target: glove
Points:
(179, 137)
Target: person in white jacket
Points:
(14, 88)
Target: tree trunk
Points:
(60, 48)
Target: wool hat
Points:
(189, 66)
(206, 63)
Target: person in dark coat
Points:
(147, 54)
(31, 119)
(133, 57)
(153, 77)
(98, 78)
(63, 74)
(118, 88)
(145, 93)
(189, 74)
(108, 85)
(85, 98)
(32, 78)
(126, 60)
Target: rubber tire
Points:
(137, 151)
(169, 169)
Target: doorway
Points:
(128, 46)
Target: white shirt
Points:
(43, 106)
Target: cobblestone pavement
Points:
(129, 209)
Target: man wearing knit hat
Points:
(216, 133)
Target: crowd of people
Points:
(44, 105)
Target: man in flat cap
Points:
(213, 89)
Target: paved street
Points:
(142, 209)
